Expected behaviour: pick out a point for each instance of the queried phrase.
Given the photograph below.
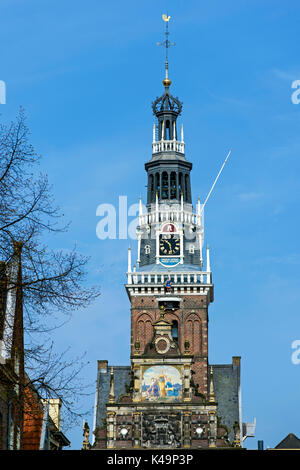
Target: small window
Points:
(175, 330)
(169, 305)
(147, 249)
(165, 185)
(191, 249)
(173, 187)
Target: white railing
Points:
(171, 215)
(179, 279)
(168, 145)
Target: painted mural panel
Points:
(162, 383)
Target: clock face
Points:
(169, 245)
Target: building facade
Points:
(42, 422)
(170, 396)
(26, 421)
(11, 352)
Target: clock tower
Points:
(170, 396)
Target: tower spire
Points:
(166, 43)
(166, 108)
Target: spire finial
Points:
(86, 433)
(166, 43)
(207, 260)
(140, 206)
(211, 387)
(129, 259)
(162, 312)
(112, 386)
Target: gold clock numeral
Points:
(163, 248)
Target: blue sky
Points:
(86, 73)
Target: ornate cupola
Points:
(167, 108)
(168, 170)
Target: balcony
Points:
(182, 279)
(172, 214)
(168, 146)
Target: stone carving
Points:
(161, 430)
(86, 434)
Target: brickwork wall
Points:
(33, 420)
(192, 318)
(100, 439)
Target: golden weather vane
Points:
(166, 43)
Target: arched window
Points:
(175, 330)
(180, 185)
(144, 331)
(151, 188)
(187, 188)
(173, 185)
(165, 186)
(191, 249)
(187, 185)
(157, 183)
(193, 334)
(167, 131)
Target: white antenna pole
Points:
(211, 189)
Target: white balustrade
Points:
(179, 279)
(170, 214)
(168, 145)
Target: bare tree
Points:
(55, 375)
(53, 282)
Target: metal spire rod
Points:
(211, 189)
(166, 43)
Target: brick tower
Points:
(169, 397)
